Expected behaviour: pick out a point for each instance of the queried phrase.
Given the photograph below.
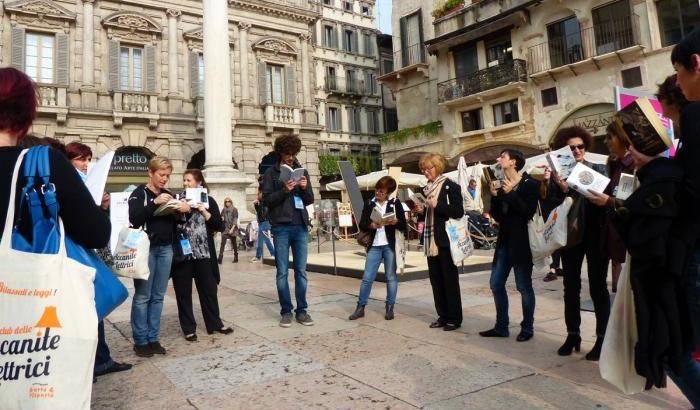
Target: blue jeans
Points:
(523, 282)
(148, 296)
(688, 381)
(103, 358)
(375, 255)
(296, 237)
(264, 227)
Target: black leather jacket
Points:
(280, 203)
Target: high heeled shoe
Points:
(594, 354)
(572, 342)
(224, 331)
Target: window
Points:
(328, 2)
(333, 120)
(465, 60)
(632, 77)
(131, 68)
(349, 41)
(331, 79)
(372, 122)
(355, 120)
(367, 44)
(329, 36)
(200, 75)
(39, 58)
(275, 84)
(471, 120)
(506, 112)
(347, 5)
(371, 83)
(387, 66)
(499, 49)
(352, 86)
(412, 51)
(612, 26)
(565, 45)
(549, 97)
(677, 18)
(391, 119)
(366, 11)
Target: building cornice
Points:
(278, 9)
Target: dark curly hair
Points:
(563, 136)
(287, 144)
(670, 93)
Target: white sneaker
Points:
(253, 260)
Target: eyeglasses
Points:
(580, 147)
(227, 202)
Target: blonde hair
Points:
(158, 162)
(436, 160)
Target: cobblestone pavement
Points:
(365, 364)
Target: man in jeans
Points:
(263, 228)
(286, 203)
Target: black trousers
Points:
(201, 271)
(556, 260)
(444, 280)
(572, 260)
(224, 238)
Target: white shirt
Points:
(380, 237)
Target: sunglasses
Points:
(580, 147)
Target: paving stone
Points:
(323, 389)
(428, 374)
(268, 327)
(224, 369)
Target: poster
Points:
(118, 215)
(625, 97)
(344, 214)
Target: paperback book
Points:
(584, 179)
(561, 161)
(641, 126)
(288, 173)
(380, 218)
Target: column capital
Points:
(244, 26)
(173, 13)
(305, 36)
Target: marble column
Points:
(88, 44)
(173, 14)
(243, 29)
(305, 70)
(222, 178)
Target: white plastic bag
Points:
(617, 355)
(400, 252)
(461, 245)
(131, 254)
(48, 325)
(548, 236)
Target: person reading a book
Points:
(147, 304)
(443, 202)
(585, 228)
(513, 204)
(286, 200)
(381, 217)
(195, 259)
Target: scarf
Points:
(433, 189)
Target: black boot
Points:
(572, 342)
(389, 312)
(358, 313)
(594, 354)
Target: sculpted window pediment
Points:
(275, 46)
(40, 9)
(132, 26)
(195, 39)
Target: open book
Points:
(561, 161)
(288, 173)
(380, 218)
(493, 173)
(583, 179)
(167, 208)
(417, 197)
(641, 126)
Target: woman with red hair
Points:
(84, 222)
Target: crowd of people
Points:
(656, 228)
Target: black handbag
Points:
(365, 239)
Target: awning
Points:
(367, 182)
(488, 153)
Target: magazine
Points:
(561, 161)
(288, 173)
(641, 126)
(584, 179)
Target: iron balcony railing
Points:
(409, 56)
(342, 85)
(603, 38)
(504, 73)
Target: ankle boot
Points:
(389, 312)
(572, 342)
(594, 354)
(358, 313)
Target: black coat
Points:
(513, 211)
(280, 203)
(395, 206)
(447, 209)
(645, 223)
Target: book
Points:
(626, 186)
(417, 197)
(561, 161)
(97, 176)
(380, 218)
(167, 208)
(196, 196)
(583, 179)
(493, 173)
(288, 173)
(641, 126)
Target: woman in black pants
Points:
(584, 241)
(444, 201)
(195, 257)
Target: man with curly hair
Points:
(286, 203)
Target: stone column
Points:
(305, 70)
(654, 30)
(243, 49)
(173, 14)
(88, 44)
(222, 178)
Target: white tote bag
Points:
(617, 355)
(548, 236)
(131, 254)
(48, 325)
(461, 244)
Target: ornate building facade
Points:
(128, 75)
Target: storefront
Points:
(594, 118)
(129, 167)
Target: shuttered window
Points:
(275, 84)
(333, 119)
(39, 57)
(131, 68)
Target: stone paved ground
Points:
(366, 364)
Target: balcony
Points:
(282, 116)
(504, 74)
(344, 86)
(410, 60)
(52, 100)
(136, 105)
(593, 44)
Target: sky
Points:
(384, 10)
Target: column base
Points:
(225, 181)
